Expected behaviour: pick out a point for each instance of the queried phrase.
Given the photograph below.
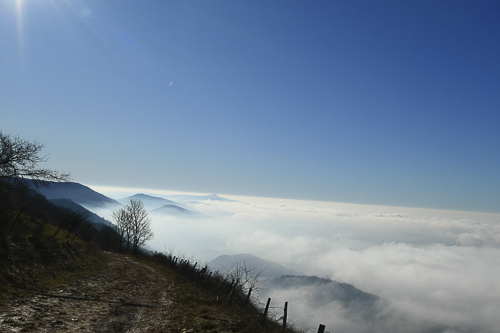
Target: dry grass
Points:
(36, 261)
(202, 304)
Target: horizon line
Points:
(375, 208)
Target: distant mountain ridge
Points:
(325, 290)
(69, 204)
(78, 193)
(174, 210)
(367, 309)
(187, 206)
(158, 205)
(187, 198)
(103, 205)
(267, 267)
(150, 202)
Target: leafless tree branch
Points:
(19, 160)
(133, 223)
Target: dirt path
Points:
(125, 296)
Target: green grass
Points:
(37, 262)
(201, 310)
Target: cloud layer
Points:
(432, 271)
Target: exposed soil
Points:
(124, 296)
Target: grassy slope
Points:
(201, 309)
(36, 261)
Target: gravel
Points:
(124, 296)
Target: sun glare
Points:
(19, 17)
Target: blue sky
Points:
(375, 102)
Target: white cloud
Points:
(432, 267)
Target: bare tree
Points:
(134, 224)
(19, 160)
(140, 223)
(123, 225)
(247, 276)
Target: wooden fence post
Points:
(202, 272)
(285, 313)
(265, 311)
(248, 297)
(14, 223)
(231, 295)
(321, 328)
(60, 226)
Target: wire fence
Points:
(236, 288)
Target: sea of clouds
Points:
(435, 271)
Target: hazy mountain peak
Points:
(144, 196)
(174, 210)
(190, 197)
(268, 267)
(150, 202)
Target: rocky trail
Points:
(124, 296)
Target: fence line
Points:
(236, 294)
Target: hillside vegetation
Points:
(54, 275)
(43, 252)
(36, 254)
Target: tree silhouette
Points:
(133, 224)
(19, 160)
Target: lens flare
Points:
(20, 26)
